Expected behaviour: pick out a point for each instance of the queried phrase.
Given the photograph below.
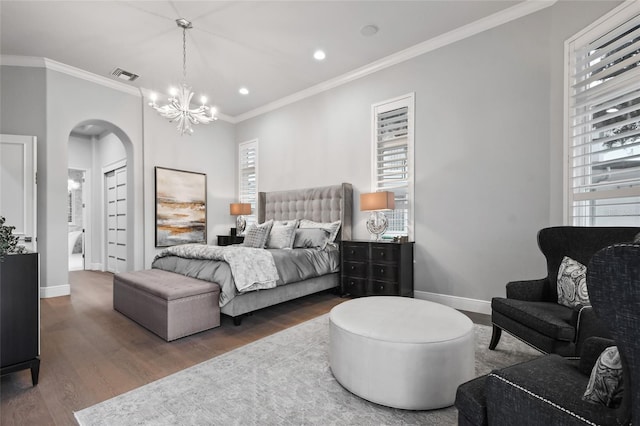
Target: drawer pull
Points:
(381, 287)
(352, 251)
(353, 267)
(382, 270)
(351, 283)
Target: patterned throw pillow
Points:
(311, 238)
(605, 383)
(282, 234)
(572, 283)
(256, 235)
(332, 228)
(636, 239)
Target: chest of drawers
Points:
(370, 268)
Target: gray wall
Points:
(488, 149)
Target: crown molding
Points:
(38, 62)
(35, 62)
(499, 18)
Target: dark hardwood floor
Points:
(90, 353)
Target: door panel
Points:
(18, 186)
(116, 188)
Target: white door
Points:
(116, 188)
(18, 186)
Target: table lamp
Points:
(240, 209)
(375, 202)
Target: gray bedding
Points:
(292, 265)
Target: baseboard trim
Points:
(55, 291)
(95, 267)
(462, 303)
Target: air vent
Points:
(124, 75)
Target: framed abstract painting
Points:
(181, 207)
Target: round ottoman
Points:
(401, 352)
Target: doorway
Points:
(98, 234)
(76, 218)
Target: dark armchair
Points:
(530, 311)
(548, 390)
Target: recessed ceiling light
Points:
(243, 91)
(319, 55)
(369, 30)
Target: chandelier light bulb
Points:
(154, 97)
(243, 91)
(203, 99)
(173, 91)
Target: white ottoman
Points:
(401, 352)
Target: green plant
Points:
(8, 241)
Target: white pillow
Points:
(331, 227)
(282, 234)
(572, 283)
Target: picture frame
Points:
(180, 207)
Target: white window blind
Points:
(393, 159)
(248, 177)
(604, 122)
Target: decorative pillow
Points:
(636, 239)
(256, 235)
(282, 234)
(605, 383)
(572, 283)
(311, 238)
(332, 228)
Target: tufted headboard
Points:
(322, 204)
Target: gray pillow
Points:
(256, 235)
(282, 234)
(605, 383)
(572, 283)
(311, 238)
(331, 227)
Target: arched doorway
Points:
(100, 185)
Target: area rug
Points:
(282, 379)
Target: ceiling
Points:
(265, 46)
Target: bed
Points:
(321, 204)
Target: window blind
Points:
(604, 124)
(392, 159)
(248, 177)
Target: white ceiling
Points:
(266, 46)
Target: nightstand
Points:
(226, 240)
(369, 268)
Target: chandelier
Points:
(179, 103)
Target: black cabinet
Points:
(225, 240)
(370, 268)
(19, 314)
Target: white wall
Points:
(488, 121)
(209, 150)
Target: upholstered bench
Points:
(170, 305)
(401, 352)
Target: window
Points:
(392, 161)
(248, 177)
(603, 121)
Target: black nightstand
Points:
(226, 240)
(370, 268)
